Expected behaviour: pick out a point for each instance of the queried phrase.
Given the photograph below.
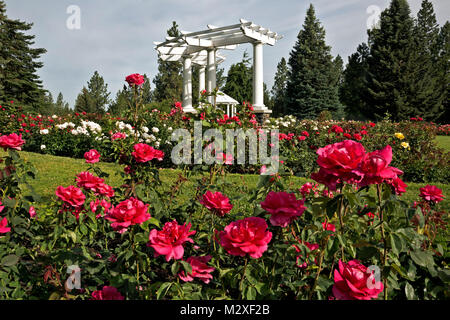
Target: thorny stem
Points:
(243, 276)
(383, 237)
(318, 271)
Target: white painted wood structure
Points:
(230, 104)
(201, 48)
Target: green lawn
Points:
(54, 171)
(443, 142)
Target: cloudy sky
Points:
(116, 36)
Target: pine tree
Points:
(279, 89)
(84, 103)
(169, 80)
(239, 80)
(390, 67)
(443, 65)
(98, 91)
(351, 92)
(311, 80)
(425, 92)
(124, 97)
(18, 63)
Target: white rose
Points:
(43, 147)
(155, 130)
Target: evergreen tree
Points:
(239, 80)
(18, 63)
(279, 89)
(221, 79)
(98, 91)
(390, 66)
(443, 66)
(425, 91)
(125, 96)
(84, 102)
(169, 80)
(311, 79)
(351, 92)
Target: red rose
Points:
(328, 226)
(357, 136)
(200, 269)
(342, 159)
(129, 212)
(92, 156)
(354, 281)
(375, 167)
(71, 195)
(88, 181)
(431, 193)
(12, 141)
(247, 236)
(3, 226)
(216, 202)
(135, 79)
(306, 189)
(398, 185)
(283, 208)
(144, 153)
(326, 178)
(107, 293)
(102, 189)
(337, 129)
(169, 241)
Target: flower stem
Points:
(242, 278)
(383, 237)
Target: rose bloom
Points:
(306, 189)
(337, 129)
(341, 159)
(107, 293)
(3, 226)
(71, 195)
(431, 193)
(247, 236)
(311, 247)
(200, 269)
(283, 208)
(88, 181)
(135, 79)
(129, 212)
(169, 241)
(1, 207)
(354, 281)
(216, 202)
(12, 141)
(118, 135)
(144, 153)
(375, 167)
(328, 226)
(102, 189)
(32, 212)
(92, 156)
(398, 185)
(326, 178)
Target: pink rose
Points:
(12, 141)
(431, 193)
(102, 189)
(71, 195)
(88, 181)
(144, 153)
(283, 208)
(375, 167)
(341, 160)
(216, 202)
(200, 269)
(398, 185)
(107, 293)
(1, 207)
(92, 156)
(328, 226)
(135, 79)
(247, 236)
(129, 212)
(225, 158)
(32, 212)
(169, 241)
(354, 281)
(3, 226)
(118, 135)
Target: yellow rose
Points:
(399, 135)
(405, 145)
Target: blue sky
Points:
(116, 36)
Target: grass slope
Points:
(54, 171)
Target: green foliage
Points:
(279, 89)
(239, 80)
(312, 84)
(95, 97)
(19, 64)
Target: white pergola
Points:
(201, 48)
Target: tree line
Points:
(401, 71)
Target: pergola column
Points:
(258, 77)
(187, 84)
(201, 79)
(211, 69)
